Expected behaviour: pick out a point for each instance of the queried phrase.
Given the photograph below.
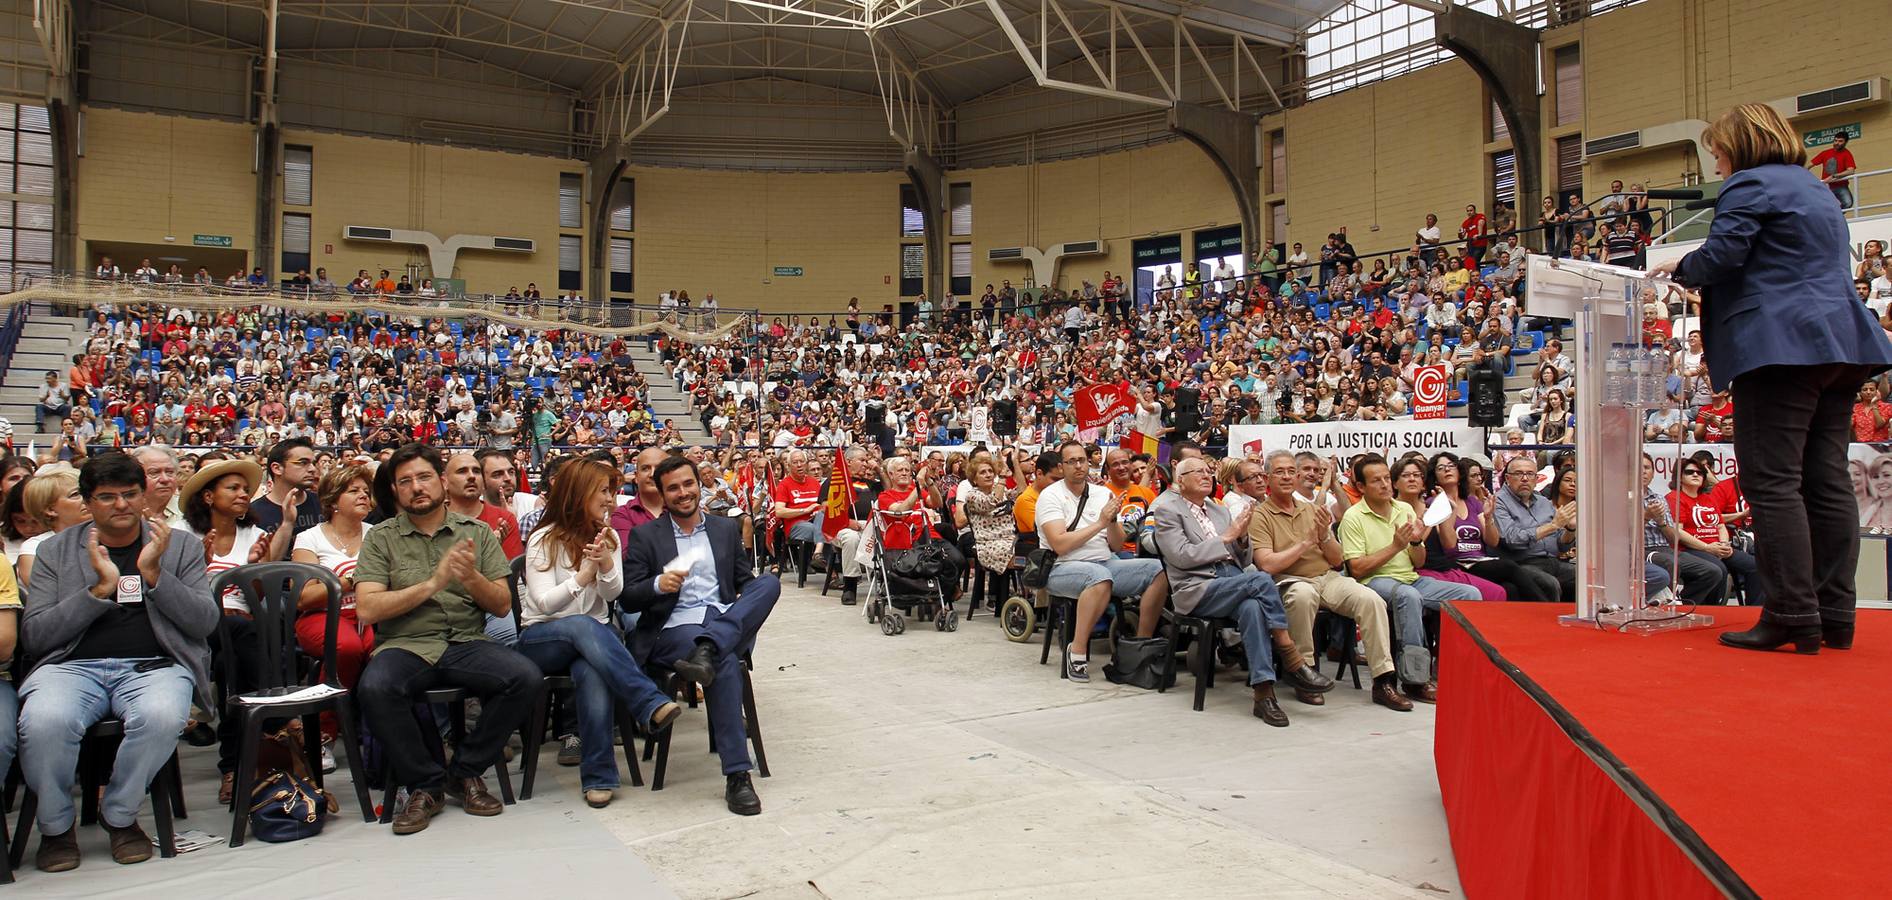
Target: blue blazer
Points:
(1777, 289)
(653, 544)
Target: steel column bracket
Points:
(1505, 56)
(1229, 140)
(928, 178)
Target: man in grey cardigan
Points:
(1204, 551)
(118, 618)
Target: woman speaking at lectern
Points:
(1782, 324)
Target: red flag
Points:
(840, 500)
(1099, 404)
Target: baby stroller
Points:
(903, 583)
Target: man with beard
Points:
(700, 609)
(291, 471)
(426, 580)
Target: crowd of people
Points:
(622, 580)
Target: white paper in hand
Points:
(684, 561)
(1439, 511)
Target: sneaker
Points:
(570, 751)
(328, 756)
(1077, 668)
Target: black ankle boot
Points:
(1837, 637)
(848, 590)
(1767, 635)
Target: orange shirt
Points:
(1133, 509)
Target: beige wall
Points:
(1115, 198)
(1670, 60)
(441, 190)
(145, 177)
(1373, 160)
(725, 232)
(1376, 159)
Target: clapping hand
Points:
(1566, 516)
(260, 549)
(210, 546)
(455, 565)
(102, 564)
(1415, 531)
(1323, 523)
(152, 556)
(1239, 527)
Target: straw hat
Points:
(208, 475)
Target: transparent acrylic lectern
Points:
(1616, 379)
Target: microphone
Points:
(1673, 194)
(1699, 204)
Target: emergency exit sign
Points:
(211, 240)
(788, 271)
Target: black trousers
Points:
(1519, 583)
(506, 683)
(1564, 572)
(1792, 451)
(1704, 577)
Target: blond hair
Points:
(1754, 134)
(46, 489)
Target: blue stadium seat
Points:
(1322, 311)
(1464, 395)
(1528, 342)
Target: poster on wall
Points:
(1346, 440)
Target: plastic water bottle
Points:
(1655, 377)
(1616, 376)
(1637, 394)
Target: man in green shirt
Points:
(542, 422)
(1383, 543)
(426, 579)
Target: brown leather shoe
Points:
(1424, 693)
(58, 852)
(129, 844)
(1386, 694)
(475, 799)
(1309, 697)
(1267, 708)
(420, 809)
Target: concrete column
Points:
(603, 171)
(929, 181)
(63, 112)
(1229, 140)
(1505, 56)
(268, 160)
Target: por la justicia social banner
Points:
(1347, 440)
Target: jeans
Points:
(604, 674)
(503, 630)
(1250, 598)
(506, 683)
(1792, 445)
(59, 701)
(9, 725)
(1407, 605)
(1128, 577)
(730, 634)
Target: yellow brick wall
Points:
(442, 190)
(1116, 198)
(144, 177)
(1376, 159)
(725, 232)
(1670, 60)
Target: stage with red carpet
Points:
(1575, 763)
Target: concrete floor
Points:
(922, 765)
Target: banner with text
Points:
(1428, 392)
(1349, 439)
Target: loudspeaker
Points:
(1188, 410)
(1005, 418)
(1487, 399)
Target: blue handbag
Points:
(287, 807)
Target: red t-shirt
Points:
(1474, 228)
(1723, 410)
(901, 528)
(791, 492)
(1833, 161)
(1863, 429)
(1726, 496)
(1698, 515)
(506, 526)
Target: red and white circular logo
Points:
(1428, 385)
